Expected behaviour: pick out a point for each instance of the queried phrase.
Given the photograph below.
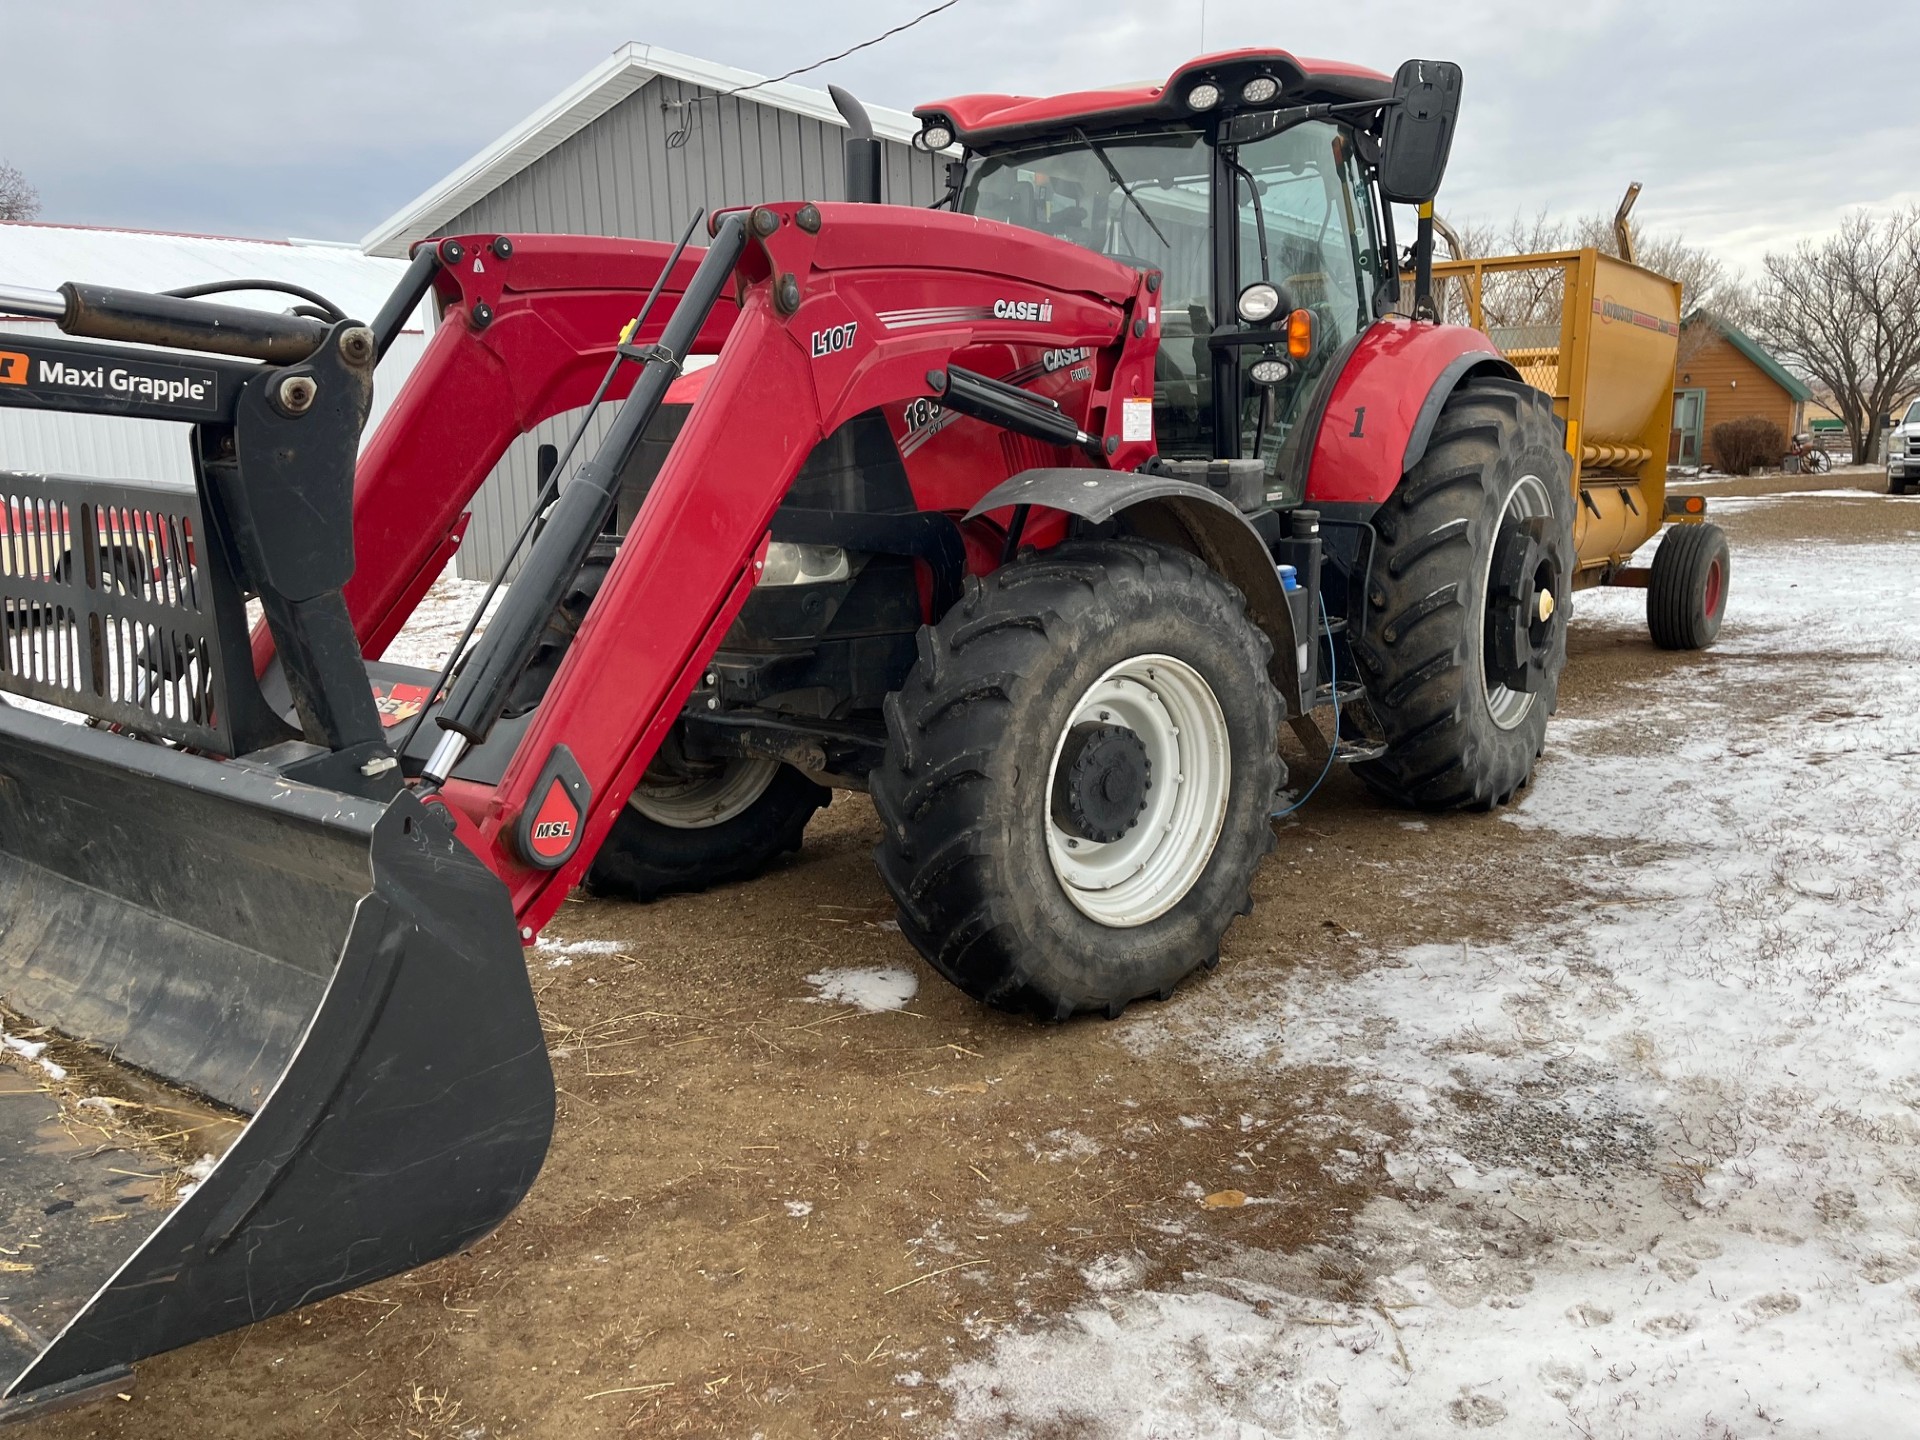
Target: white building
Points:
(45, 256)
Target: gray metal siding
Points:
(619, 177)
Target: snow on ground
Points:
(1662, 1170)
(871, 990)
(436, 624)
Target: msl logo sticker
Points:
(550, 828)
(131, 382)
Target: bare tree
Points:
(18, 199)
(1846, 311)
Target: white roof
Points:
(578, 106)
(44, 257)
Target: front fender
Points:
(1382, 409)
(1189, 517)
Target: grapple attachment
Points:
(219, 907)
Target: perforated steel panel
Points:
(107, 606)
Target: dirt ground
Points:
(768, 1216)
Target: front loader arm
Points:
(529, 324)
(842, 308)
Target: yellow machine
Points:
(1600, 335)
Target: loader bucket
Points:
(341, 972)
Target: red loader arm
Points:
(835, 316)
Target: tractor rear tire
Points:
(1079, 775)
(1463, 712)
(1687, 589)
(673, 839)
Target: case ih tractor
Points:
(1038, 518)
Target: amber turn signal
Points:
(1300, 334)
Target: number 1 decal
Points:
(1359, 423)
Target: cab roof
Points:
(982, 121)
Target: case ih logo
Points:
(13, 368)
(1039, 311)
(1053, 360)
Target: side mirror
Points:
(1419, 131)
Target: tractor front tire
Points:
(675, 837)
(1079, 776)
(1462, 631)
(1687, 589)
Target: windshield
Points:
(1070, 191)
(1913, 414)
(1307, 223)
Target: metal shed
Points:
(632, 149)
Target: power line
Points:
(691, 107)
(851, 49)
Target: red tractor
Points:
(1037, 519)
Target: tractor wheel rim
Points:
(704, 803)
(1527, 500)
(1174, 713)
(1712, 606)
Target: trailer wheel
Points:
(1687, 591)
(681, 835)
(1079, 772)
(1463, 624)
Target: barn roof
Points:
(43, 257)
(1754, 351)
(568, 113)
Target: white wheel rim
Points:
(1527, 500)
(1179, 722)
(701, 804)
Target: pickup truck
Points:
(1903, 452)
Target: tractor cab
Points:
(1252, 182)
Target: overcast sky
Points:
(1751, 122)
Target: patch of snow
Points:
(430, 632)
(547, 945)
(1741, 1339)
(1657, 1166)
(1062, 1145)
(26, 1049)
(889, 988)
(196, 1174)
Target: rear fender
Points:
(1382, 409)
(1189, 517)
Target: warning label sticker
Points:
(1136, 418)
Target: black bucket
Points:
(342, 973)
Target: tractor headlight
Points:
(791, 564)
(1259, 90)
(934, 137)
(1258, 302)
(1203, 96)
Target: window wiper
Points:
(1113, 174)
